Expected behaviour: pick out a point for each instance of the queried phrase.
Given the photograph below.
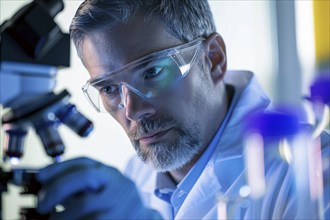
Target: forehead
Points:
(108, 49)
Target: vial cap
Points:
(320, 89)
(272, 124)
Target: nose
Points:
(135, 104)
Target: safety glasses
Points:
(148, 77)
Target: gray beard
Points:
(172, 154)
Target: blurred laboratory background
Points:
(284, 45)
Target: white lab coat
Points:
(224, 174)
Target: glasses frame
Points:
(166, 52)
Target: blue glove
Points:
(88, 189)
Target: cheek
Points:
(178, 103)
(195, 96)
(191, 93)
(183, 98)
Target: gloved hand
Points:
(88, 189)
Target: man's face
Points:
(167, 131)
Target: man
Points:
(160, 69)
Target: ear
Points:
(216, 55)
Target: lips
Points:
(153, 136)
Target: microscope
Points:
(33, 48)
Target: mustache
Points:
(146, 126)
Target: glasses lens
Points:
(148, 77)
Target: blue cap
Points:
(272, 124)
(320, 89)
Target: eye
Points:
(152, 72)
(109, 90)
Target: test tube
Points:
(267, 139)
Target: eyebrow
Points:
(142, 65)
(103, 83)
